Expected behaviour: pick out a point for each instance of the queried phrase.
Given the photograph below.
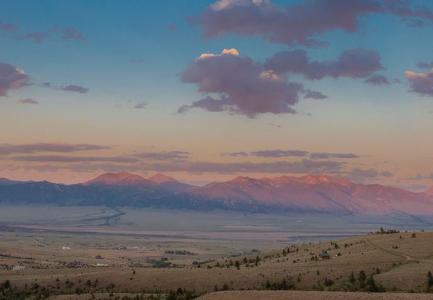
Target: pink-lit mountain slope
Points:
(128, 179)
(119, 179)
(315, 193)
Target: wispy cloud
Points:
(140, 105)
(169, 155)
(274, 153)
(27, 101)
(7, 149)
(8, 27)
(71, 33)
(74, 89)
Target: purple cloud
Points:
(27, 101)
(421, 83)
(414, 17)
(74, 89)
(425, 65)
(112, 164)
(377, 80)
(141, 105)
(74, 159)
(243, 86)
(301, 23)
(366, 174)
(11, 78)
(36, 37)
(210, 104)
(7, 26)
(71, 33)
(353, 63)
(7, 149)
(297, 167)
(309, 94)
(280, 153)
(296, 24)
(327, 155)
(170, 155)
(236, 154)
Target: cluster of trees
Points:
(364, 283)
(181, 294)
(248, 262)
(279, 285)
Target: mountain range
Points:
(312, 193)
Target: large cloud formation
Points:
(299, 24)
(421, 83)
(11, 78)
(242, 85)
(239, 85)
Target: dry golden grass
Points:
(396, 261)
(305, 295)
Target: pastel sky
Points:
(208, 90)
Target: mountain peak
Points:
(161, 178)
(122, 178)
(320, 179)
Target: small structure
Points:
(324, 255)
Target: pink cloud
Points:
(421, 83)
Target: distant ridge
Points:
(122, 178)
(322, 193)
(311, 193)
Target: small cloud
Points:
(377, 80)
(421, 83)
(11, 78)
(74, 89)
(7, 149)
(27, 101)
(36, 37)
(172, 27)
(170, 155)
(235, 154)
(280, 153)
(425, 65)
(66, 88)
(71, 33)
(141, 105)
(309, 94)
(367, 174)
(328, 155)
(7, 26)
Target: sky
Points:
(208, 90)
